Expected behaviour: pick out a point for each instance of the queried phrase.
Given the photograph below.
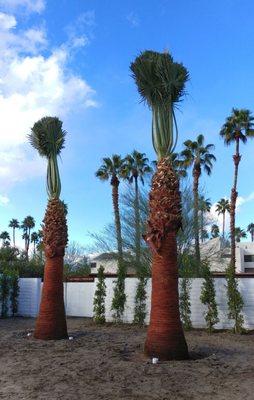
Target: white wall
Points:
(79, 300)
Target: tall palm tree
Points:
(5, 237)
(198, 156)
(239, 234)
(34, 239)
(215, 231)
(27, 225)
(14, 224)
(161, 84)
(237, 128)
(112, 168)
(250, 229)
(204, 206)
(222, 207)
(135, 169)
(48, 137)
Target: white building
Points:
(109, 262)
(218, 254)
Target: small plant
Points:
(14, 292)
(119, 297)
(184, 301)
(99, 298)
(140, 302)
(235, 300)
(4, 294)
(207, 297)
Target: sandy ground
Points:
(107, 363)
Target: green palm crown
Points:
(161, 84)
(48, 137)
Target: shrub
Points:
(207, 297)
(14, 291)
(140, 301)
(235, 300)
(4, 294)
(119, 298)
(99, 298)
(184, 302)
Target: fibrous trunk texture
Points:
(51, 322)
(165, 337)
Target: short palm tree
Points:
(34, 239)
(239, 234)
(14, 224)
(204, 206)
(27, 225)
(215, 231)
(5, 237)
(135, 169)
(237, 128)
(112, 169)
(48, 137)
(222, 207)
(250, 229)
(161, 84)
(198, 156)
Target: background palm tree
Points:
(250, 229)
(222, 207)
(239, 234)
(27, 225)
(112, 168)
(34, 239)
(161, 84)
(48, 138)
(136, 168)
(215, 231)
(237, 128)
(204, 206)
(14, 224)
(5, 238)
(198, 156)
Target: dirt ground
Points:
(107, 363)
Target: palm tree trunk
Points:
(115, 198)
(165, 337)
(13, 237)
(223, 224)
(51, 322)
(137, 225)
(196, 175)
(236, 159)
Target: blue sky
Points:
(71, 58)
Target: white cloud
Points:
(27, 5)
(133, 19)
(4, 200)
(32, 85)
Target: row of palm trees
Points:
(133, 168)
(27, 235)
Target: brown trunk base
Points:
(165, 336)
(51, 322)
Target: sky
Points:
(71, 59)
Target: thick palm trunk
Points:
(165, 337)
(196, 175)
(51, 322)
(137, 225)
(115, 198)
(234, 194)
